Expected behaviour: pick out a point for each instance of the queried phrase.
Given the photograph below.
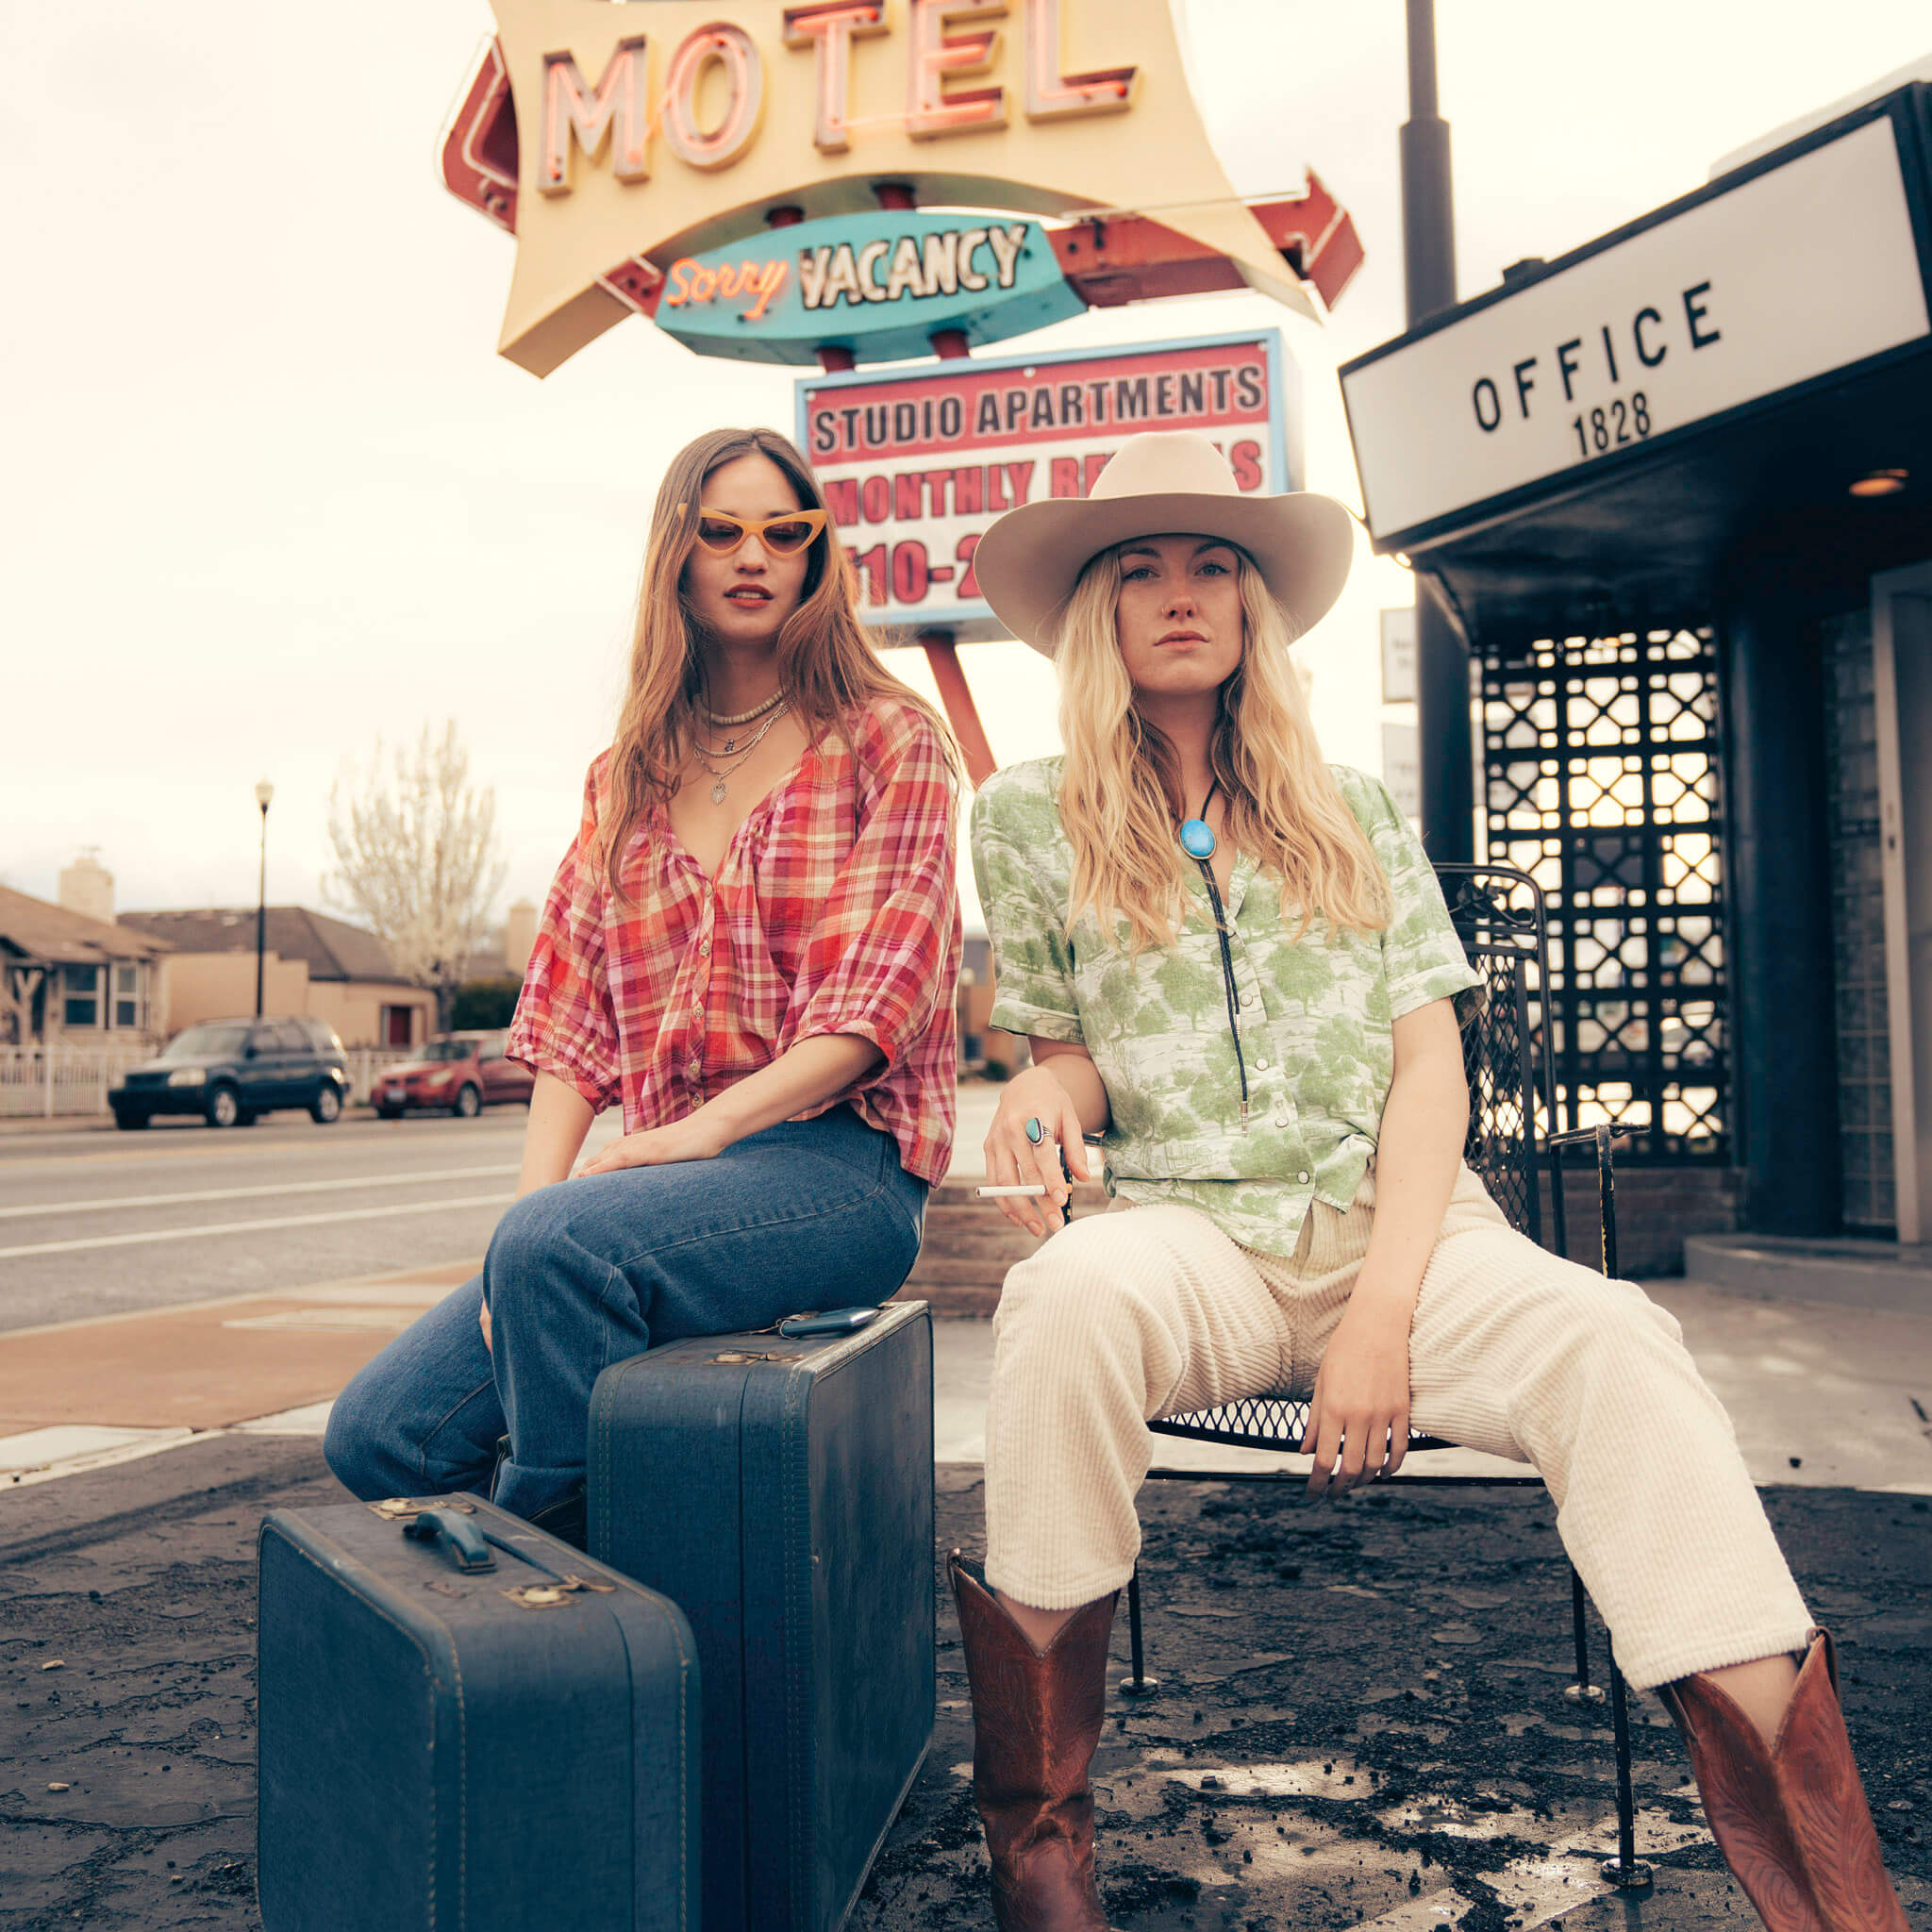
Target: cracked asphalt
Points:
(1361, 1718)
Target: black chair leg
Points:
(1626, 1870)
(1138, 1684)
(1582, 1691)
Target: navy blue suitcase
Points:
(450, 1747)
(781, 1491)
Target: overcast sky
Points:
(268, 491)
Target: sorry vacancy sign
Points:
(916, 464)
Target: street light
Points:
(264, 791)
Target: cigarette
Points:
(1034, 1189)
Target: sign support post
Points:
(1428, 261)
(941, 650)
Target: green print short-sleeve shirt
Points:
(1315, 1013)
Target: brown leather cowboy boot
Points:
(1035, 1720)
(1791, 1819)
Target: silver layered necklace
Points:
(771, 710)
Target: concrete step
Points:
(1844, 1273)
(934, 1271)
(955, 1301)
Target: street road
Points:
(102, 1224)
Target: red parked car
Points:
(459, 1072)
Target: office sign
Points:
(1795, 273)
(916, 464)
(881, 285)
(616, 141)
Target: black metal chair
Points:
(1498, 913)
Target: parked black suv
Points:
(231, 1071)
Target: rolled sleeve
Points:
(876, 962)
(1421, 957)
(565, 1025)
(1033, 961)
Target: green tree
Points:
(482, 1004)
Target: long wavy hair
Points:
(1120, 793)
(826, 662)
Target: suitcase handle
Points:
(458, 1538)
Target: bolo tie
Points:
(1197, 842)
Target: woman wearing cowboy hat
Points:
(1233, 961)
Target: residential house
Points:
(323, 968)
(67, 978)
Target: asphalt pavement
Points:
(93, 1222)
(104, 1224)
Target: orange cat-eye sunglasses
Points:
(783, 536)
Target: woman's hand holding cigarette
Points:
(1014, 1158)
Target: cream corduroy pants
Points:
(1154, 1311)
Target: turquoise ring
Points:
(1035, 1132)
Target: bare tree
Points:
(418, 858)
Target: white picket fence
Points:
(47, 1082)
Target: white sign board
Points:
(1402, 767)
(1398, 655)
(916, 463)
(1800, 271)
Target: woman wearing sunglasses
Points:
(751, 946)
(1234, 962)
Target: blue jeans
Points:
(808, 1214)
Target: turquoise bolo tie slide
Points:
(1197, 839)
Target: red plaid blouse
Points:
(805, 930)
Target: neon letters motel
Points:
(649, 134)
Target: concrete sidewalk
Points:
(1821, 1395)
(81, 1395)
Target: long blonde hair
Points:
(826, 662)
(1121, 798)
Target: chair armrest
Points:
(1599, 1137)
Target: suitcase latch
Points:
(406, 1508)
(554, 1596)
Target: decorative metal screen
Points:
(1857, 926)
(1601, 765)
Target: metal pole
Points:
(261, 913)
(1428, 270)
(1428, 212)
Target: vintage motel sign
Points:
(647, 137)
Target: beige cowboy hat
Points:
(1162, 482)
